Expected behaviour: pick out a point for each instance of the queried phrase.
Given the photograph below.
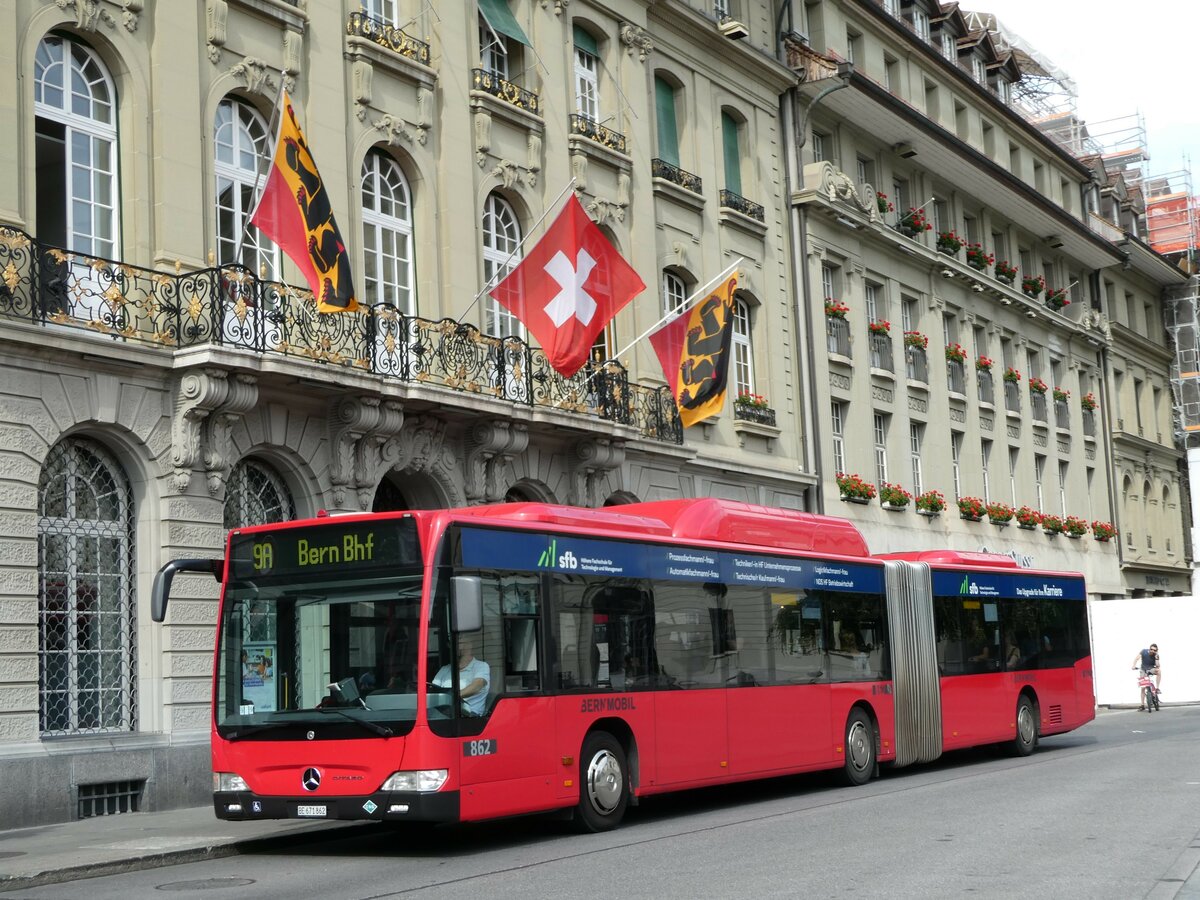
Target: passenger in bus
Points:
(860, 663)
(474, 678)
(1012, 654)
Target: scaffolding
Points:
(1173, 217)
(1181, 313)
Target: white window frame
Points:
(493, 50)
(78, 64)
(871, 293)
(956, 438)
(501, 253)
(985, 457)
(239, 131)
(381, 10)
(1013, 460)
(387, 214)
(828, 284)
(880, 424)
(674, 292)
(743, 354)
(1063, 474)
(921, 23)
(587, 84)
(1039, 469)
(838, 430)
(950, 46)
(916, 435)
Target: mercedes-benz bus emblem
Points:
(311, 779)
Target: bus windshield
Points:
(320, 627)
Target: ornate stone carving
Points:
(483, 136)
(490, 445)
(425, 101)
(590, 462)
(882, 394)
(394, 129)
(420, 446)
(559, 5)
(918, 404)
(507, 171)
(838, 187)
(255, 75)
(131, 14)
(636, 41)
(1039, 440)
(839, 381)
(579, 169)
(957, 415)
(293, 52)
(602, 210)
(88, 13)
(986, 423)
(362, 76)
(207, 404)
(533, 158)
(359, 427)
(217, 15)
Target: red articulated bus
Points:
(464, 664)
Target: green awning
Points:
(502, 21)
(585, 41)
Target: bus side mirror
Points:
(466, 594)
(162, 581)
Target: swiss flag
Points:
(569, 287)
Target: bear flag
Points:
(294, 211)
(569, 287)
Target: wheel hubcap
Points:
(604, 782)
(858, 746)
(1025, 724)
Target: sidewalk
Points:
(105, 845)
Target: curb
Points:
(234, 847)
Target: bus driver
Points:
(474, 678)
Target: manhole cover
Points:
(206, 884)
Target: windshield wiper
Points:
(365, 723)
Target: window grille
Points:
(87, 636)
(256, 495)
(109, 799)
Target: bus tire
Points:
(603, 783)
(860, 764)
(1026, 737)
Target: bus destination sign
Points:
(323, 548)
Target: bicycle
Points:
(1147, 691)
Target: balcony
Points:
(229, 307)
(881, 352)
(1105, 228)
(1037, 405)
(660, 168)
(760, 415)
(837, 336)
(594, 131)
(986, 387)
(739, 204)
(387, 36)
(916, 364)
(1012, 397)
(1062, 414)
(1089, 423)
(956, 377)
(493, 84)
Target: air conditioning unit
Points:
(733, 29)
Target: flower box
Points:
(978, 258)
(915, 339)
(1028, 518)
(879, 326)
(971, 508)
(1005, 272)
(1103, 531)
(882, 203)
(956, 353)
(913, 223)
(892, 496)
(1033, 286)
(835, 309)
(1088, 402)
(853, 489)
(1036, 385)
(1057, 298)
(1012, 375)
(930, 503)
(949, 242)
(984, 364)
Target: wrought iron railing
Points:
(1089, 423)
(837, 335)
(763, 415)
(738, 203)
(881, 352)
(1062, 414)
(387, 35)
(987, 387)
(1037, 406)
(917, 364)
(660, 168)
(1012, 396)
(956, 376)
(231, 307)
(594, 131)
(491, 83)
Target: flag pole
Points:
(683, 307)
(273, 128)
(516, 249)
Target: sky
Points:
(1123, 63)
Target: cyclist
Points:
(1148, 662)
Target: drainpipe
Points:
(1106, 434)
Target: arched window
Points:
(387, 234)
(74, 105)
(743, 357)
(674, 291)
(501, 243)
(256, 495)
(87, 660)
(240, 161)
(587, 75)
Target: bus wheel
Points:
(603, 785)
(1027, 728)
(860, 748)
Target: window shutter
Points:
(668, 135)
(586, 42)
(733, 158)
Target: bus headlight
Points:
(426, 781)
(228, 781)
